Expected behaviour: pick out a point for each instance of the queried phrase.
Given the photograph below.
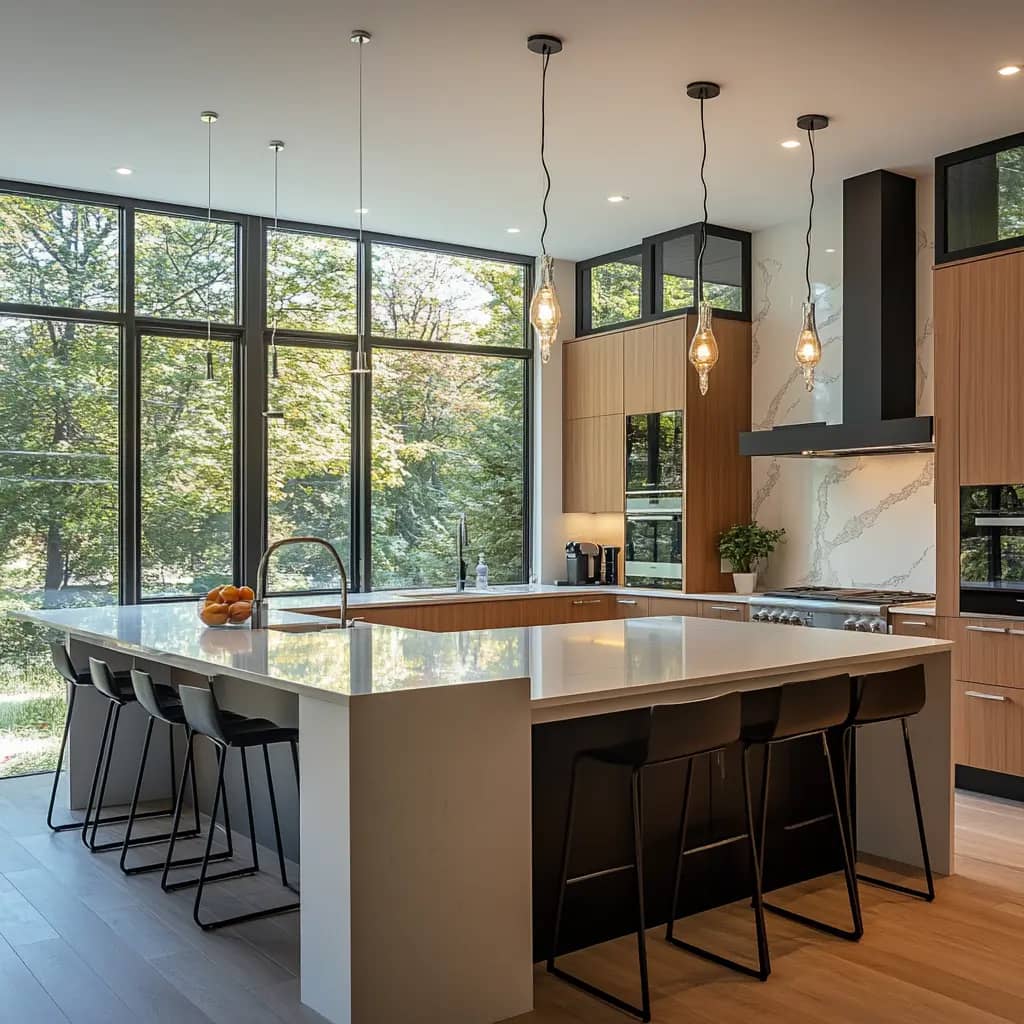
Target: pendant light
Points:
(545, 312)
(276, 145)
(360, 37)
(703, 347)
(209, 118)
(808, 344)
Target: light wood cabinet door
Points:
(669, 384)
(991, 333)
(989, 651)
(592, 377)
(988, 727)
(638, 371)
(673, 606)
(733, 611)
(632, 607)
(908, 624)
(593, 464)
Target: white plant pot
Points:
(744, 582)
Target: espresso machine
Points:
(582, 563)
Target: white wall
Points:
(849, 522)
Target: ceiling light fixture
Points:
(703, 346)
(617, 199)
(1008, 70)
(808, 344)
(360, 37)
(512, 231)
(830, 250)
(545, 312)
(276, 145)
(123, 170)
(790, 144)
(209, 118)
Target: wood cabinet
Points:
(594, 464)
(549, 611)
(673, 606)
(632, 607)
(638, 371)
(990, 329)
(654, 367)
(450, 616)
(989, 651)
(592, 377)
(908, 624)
(733, 611)
(947, 444)
(988, 727)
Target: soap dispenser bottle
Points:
(481, 573)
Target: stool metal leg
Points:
(928, 895)
(763, 969)
(273, 814)
(96, 773)
(69, 825)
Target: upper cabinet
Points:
(592, 377)
(654, 364)
(990, 330)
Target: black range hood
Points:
(879, 326)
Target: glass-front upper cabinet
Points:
(610, 289)
(979, 199)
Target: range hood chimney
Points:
(879, 327)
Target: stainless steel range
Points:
(831, 607)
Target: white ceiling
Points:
(452, 105)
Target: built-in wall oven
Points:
(654, 500)
(992, 549)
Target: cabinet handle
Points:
(1016, 632)
(623, 600)
(916, 623)
(987, 629)
(724, 608)
(983, 696)
(593, 600)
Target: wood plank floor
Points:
(80, 942)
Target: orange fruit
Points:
(229, 594)
(213, 597)
(214, 614)
(239, 611)
(246, 594)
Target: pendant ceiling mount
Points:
(703, 90)
(811, 122)
(545, 45)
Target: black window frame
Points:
(652, 296)
(943, 163)
(250, 336)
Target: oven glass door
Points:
(654, 550)
(992, 549)
(654, 453)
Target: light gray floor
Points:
(81, 942)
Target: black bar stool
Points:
(791, 712)
(204, 718)
(888, 697)
(117, 688)
(670, 733)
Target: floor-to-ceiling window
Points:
(176, 392)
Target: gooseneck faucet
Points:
(259, 605)
(461, 542)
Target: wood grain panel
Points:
(947, 439)
(673, 606)
(991, 370)
(669, 385)
(989, 651)
(592, 377)
(593, 464)
(717, 476)
(638, 371)
(988, 727)
(632, 607)
(732, 611)
(908, 624)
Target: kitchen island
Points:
(418, 754)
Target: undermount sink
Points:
(436, 592)
(303, 627)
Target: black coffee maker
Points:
(582, 563)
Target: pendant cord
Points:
(810, 218)
(704, 222)
(543, 142)
(273, 328)
(361, 340)
(209, 224)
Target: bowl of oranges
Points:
(227, 606)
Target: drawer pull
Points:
(916, 623)
(592, 600)
(983, 696)
(725, 608)
(987, 629)
(1016, 632)
(623, 600)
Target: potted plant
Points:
(744, 546)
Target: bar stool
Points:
(204, 718)
(670, 733)
(75, 679)
(791, 712)
(117, 688)
(888, 697)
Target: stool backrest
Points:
(885, 695)
(694, 727)
(814, 705)
(63, 664)
(201, 712)
(146, 694)
(103, 679)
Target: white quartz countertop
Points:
(565, 663)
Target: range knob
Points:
(850, 623)
(795, 620)
(775, 616)
(878, 626)
(863, 626)
(761, 616)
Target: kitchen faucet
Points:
(259, 605)
(461, 541)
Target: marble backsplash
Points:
(866, 521)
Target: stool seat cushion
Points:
(885, 696)
(796, 709)
(254, 732)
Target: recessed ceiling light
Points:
(790, 144)
(123, 170)
(512, 231)
(617, 199)
(830, 250)
(1009, 69)
(361, 209)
